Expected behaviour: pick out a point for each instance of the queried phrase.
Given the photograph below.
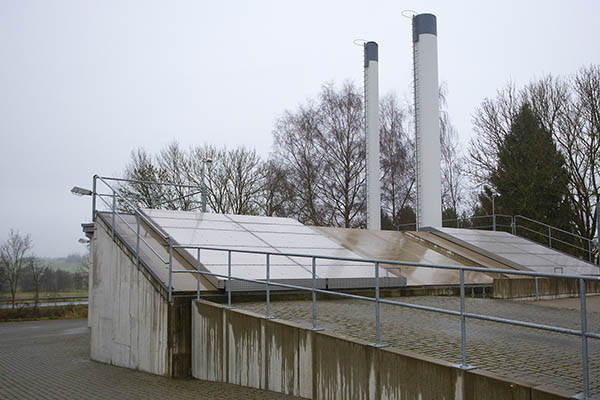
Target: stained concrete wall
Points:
(243, 348)
(548, 288)
(129, 317)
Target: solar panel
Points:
(522, 251)
(267, 234)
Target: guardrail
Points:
(545, 234)
(463, 314)
(583, 332)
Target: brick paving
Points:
(50, 360)
(541, 357)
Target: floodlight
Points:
(78, 191)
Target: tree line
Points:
(538, 148)
(21, 270)
(535, 149)
(315, 173)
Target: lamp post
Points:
(493, 213)
(597, 241)
(494, 194)
(204, 162)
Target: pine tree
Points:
(531, 178)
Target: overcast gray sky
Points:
(82, 83)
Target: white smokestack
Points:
(372, 128)
(427, 119)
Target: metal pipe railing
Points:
(463, 314)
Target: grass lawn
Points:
(5, 296)
(36, 313)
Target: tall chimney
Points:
(372, 129)
(427, 121)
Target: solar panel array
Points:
(266, 234)
(523, 252)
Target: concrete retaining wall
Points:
(128, 315)
(524, 288)
(243, 348)
(132, 323)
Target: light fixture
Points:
(79, 191)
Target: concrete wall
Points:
(129, 317)
(241, 347)
(524, 288)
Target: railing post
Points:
(314, 295)
(513, 224)
(550, 237)
(493, 214)
(170, 269)
(94, 197)
(463, 325)
(198, 273)
(268, 315)
(229, 279)
(114, 207)
(584, 344)
(152, 199)
(537, 289)
(137, 241)
(377, 314)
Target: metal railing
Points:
(583, 333)
(268, 283)
(545, 234)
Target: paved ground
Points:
(50, 360)
(527, 354)
(572, 303)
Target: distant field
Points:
(71, 263)
(5, 297)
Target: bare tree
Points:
(452, 162)
(295, 137)
(243, 168)
(175, 166)
(397, 159)
(341, 137)
(276, 198)
(13, 253)
(141, 167)
(37, 270)
(491, 123)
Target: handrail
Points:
(139, 237)
(136, 209)
(482, 317)
(582, 332)
(148, 182)
(553, 227)
(393, 262)
(554, 239)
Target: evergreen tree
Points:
(531, 178)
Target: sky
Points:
(83, 83)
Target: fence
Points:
(583, 332)
(547, 235)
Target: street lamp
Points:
(79, 191)
(204, 162)
(494, 194)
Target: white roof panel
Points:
(523, 251)
(267, 234)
